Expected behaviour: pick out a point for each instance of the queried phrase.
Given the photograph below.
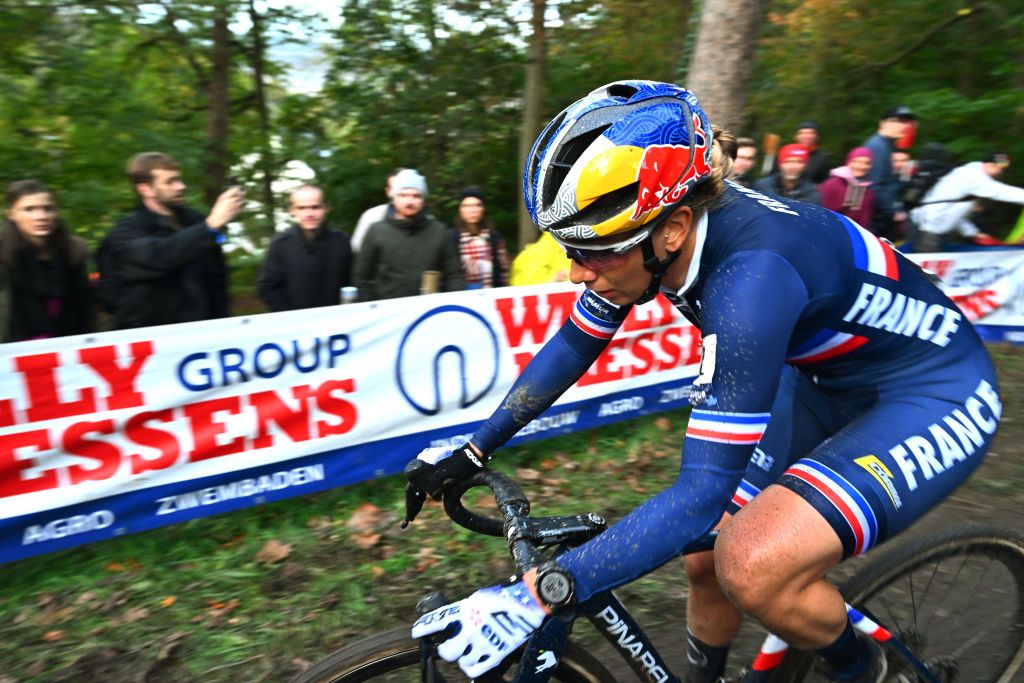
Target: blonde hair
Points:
(706, 195)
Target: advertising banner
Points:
(112, 433)
(987, 285)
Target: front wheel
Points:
(955, 598)
(393, 657)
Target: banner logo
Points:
(431, 368)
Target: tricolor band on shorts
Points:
(838, 501)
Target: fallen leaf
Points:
(233, 541)
(168, 601)
(366, 518)
(377, 571)
(130, 616)
(301, 664)
(273, 551)
(170, 644)
(527, 474)
(548, 464)
(365, 541)
(54, 636)
(425, 559)
(663, 423)
(85, 597)
(219, 608)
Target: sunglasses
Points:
(597, 259)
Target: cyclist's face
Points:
(618, 278)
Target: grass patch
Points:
(196, 599)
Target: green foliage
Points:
(88, 85)
(844, 62)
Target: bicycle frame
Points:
(613, 620)
(605, 611)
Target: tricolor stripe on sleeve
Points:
(584, 316)
(869, 252)
(826, 344)
(745, 493)
(734, 428)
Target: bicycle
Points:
(931, 639)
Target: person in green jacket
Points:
(398, 250)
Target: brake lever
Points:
(414, 500)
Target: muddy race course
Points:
(253, 619)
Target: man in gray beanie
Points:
(399, 249)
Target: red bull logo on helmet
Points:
(666, 173)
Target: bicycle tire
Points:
(964, 555)
(390, 652)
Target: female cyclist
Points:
(840, 395)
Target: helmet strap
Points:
(655, 266)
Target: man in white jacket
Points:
(945, 211)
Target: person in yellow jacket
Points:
(539, 262)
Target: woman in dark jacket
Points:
(481, 248)
(44, 279)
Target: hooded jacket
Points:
(853, 197)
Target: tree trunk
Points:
(533, 106)
(217, 95)
(722, 57)
(266, 154)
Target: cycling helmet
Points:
(614, 161)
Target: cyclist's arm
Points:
(750, 307)
(555, 368)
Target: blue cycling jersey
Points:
(889, 404)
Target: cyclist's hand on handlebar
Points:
(488, 626)
(435, 469)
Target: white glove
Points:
(434, 454)
(491, 624)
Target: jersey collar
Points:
(694, 265)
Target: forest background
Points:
(455, 88)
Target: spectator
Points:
(481, 247)
(945, 211)
(399, 249)
(902, 164)
(848, 190)
(167, 258)
(541, 261)
(44, 278)
(309, 262)
(374, 214)
(818, 163)
(788, 181)
(743, 165)
(888, 213)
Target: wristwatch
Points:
(555, 586)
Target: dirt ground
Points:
(992, 496)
